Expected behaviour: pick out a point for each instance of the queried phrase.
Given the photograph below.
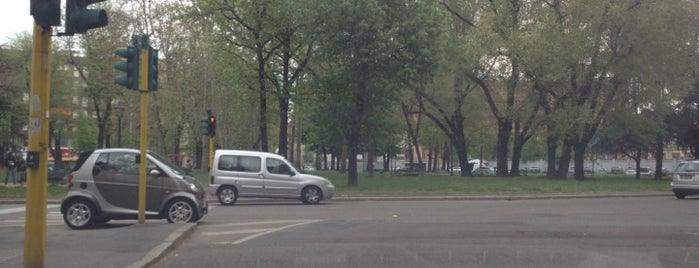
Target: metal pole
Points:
(119, 132)
(37, 158)
(143, 88)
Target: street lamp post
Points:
(120, 112)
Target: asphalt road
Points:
(116, 244)
(604, 232)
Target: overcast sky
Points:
(14, 19)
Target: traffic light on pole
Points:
(79, 19)
(152, 69)
(204, 126)
(46, 13)
(212, 126)
(130, 67)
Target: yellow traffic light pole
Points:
(38, 132)
(143, 89)
(211, 152)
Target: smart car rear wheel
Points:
(680, 196)
(181, 211)
(227, 195)
(80, 214)
(311, 195)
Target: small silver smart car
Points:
(104, 186)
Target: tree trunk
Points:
(352, 150)
(659, 157)
(504, 133)
(579, 150)
(291, 156)
(551, 147)
(517, 155)
(264, 146)
(370, 159)
(564, 162)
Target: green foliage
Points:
(86, 137)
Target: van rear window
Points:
(239, 163)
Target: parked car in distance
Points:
(685, 179)
(104, 186)
(484, 170)
(237, 173)
(617, 170)
(644, 171)
(534, 170)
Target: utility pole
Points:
(79, 19)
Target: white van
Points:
(237, 173)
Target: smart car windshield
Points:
(172, 167)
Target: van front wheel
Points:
(311, 195)
(227, 195)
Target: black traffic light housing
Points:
(204, 126)
(212, 126)
(130, 67)
(79, 19)
(152, 69)
(46, 13)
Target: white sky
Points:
(14, 19)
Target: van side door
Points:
(242, 171)
(280, 179)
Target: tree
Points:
(366, 47)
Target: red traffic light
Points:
(212, 119)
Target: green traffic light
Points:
(152, 69)
(205, 126)
(46, 13)
(79, 19)
(130, 67)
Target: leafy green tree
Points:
(366, 47)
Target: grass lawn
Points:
(433, 184)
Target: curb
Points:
(162, 250)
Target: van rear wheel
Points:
(227, 195)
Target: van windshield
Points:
(172, 167)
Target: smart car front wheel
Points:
(181, 211)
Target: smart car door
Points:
(116, 178)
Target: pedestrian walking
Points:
(21, 168)
(187, 164)
(11, 168)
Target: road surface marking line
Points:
(272, 231)
(253, 223)
(20, 209)
(236, 232)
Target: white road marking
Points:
(246, 231)
(20, 209)
(256, 232)
(254, 223)
(272, 231)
